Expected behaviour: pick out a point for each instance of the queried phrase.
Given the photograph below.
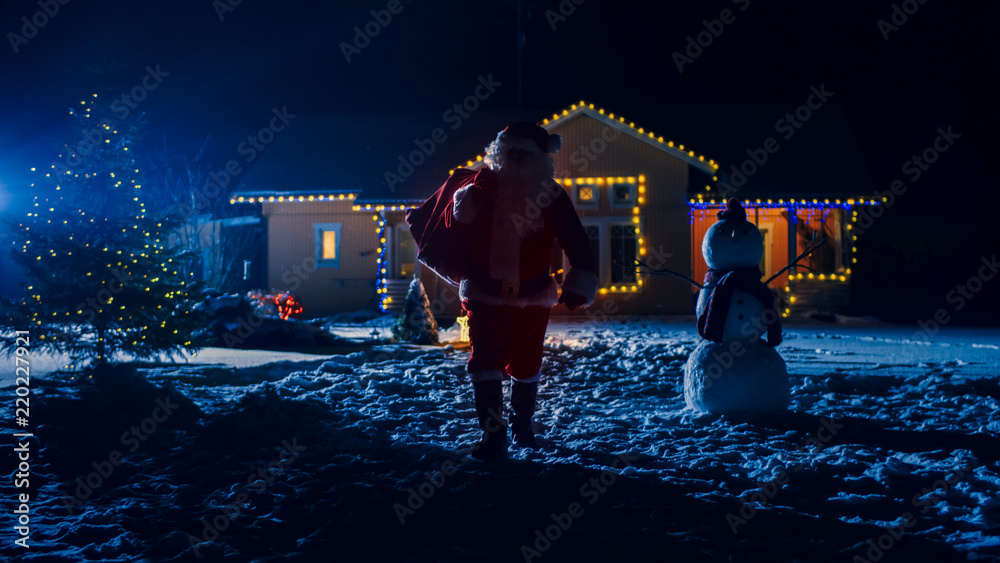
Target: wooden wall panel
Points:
(291, 249)
(664, 213)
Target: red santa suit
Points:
(493, 233)
(509, 290)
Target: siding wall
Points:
(664, 215)
(668, 235)
(291, 245)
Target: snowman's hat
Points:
(733, 211)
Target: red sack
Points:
(443, 244)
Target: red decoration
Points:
(281, 305)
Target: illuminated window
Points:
(586, 194)
(814, 224)
(329, 245)
(327, 237)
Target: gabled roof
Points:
(573, 111)
(678, 150)
(330, 154)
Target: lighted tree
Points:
(416, 323)
(101, 274)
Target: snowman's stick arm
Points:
(660, 271)
(805, 253)
(669, 272)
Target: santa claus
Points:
(515, 211)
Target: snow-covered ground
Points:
(889, 453)
(42, 365)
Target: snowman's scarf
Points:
(713, 319)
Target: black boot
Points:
(522, 406)
(489, 408)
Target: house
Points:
(639, 195)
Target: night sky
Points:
(228, 66)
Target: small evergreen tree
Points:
(416, 323)
(101, 276)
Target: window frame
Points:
(591, 204)
(630, 227)
(318, 230)
(633, 195)
(392, 248)
(603, 226)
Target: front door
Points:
(404, 263)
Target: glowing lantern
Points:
(463, 333)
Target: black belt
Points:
(510, 288)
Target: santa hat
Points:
(733, 211)
(532, 132)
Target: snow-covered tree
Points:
(101, 275)
(416, 323)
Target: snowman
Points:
(735, 370)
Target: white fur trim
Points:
(554, 142)
(547, 297)
(488, 375)
(463, 210)
(582, 282)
